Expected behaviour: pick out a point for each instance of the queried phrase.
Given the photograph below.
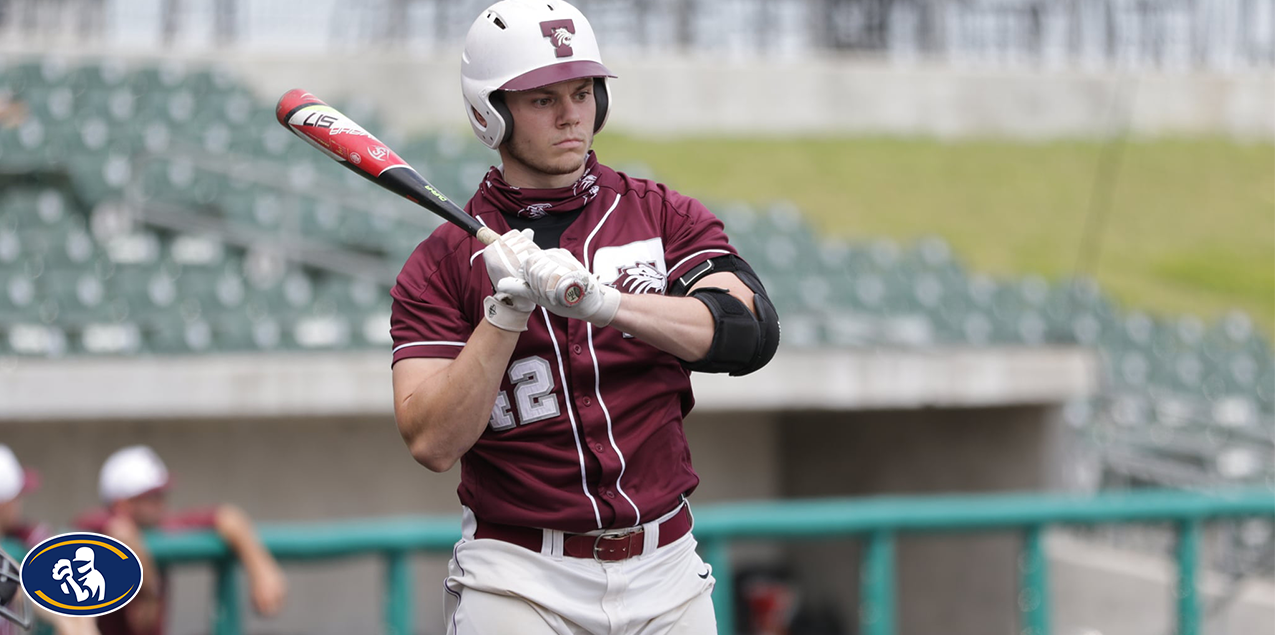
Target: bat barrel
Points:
(347, 143)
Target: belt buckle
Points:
(597, 542)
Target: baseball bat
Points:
(347, 143)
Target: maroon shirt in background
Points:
(587, 429)
(116, 623)
(29, 534)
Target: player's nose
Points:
(571, 113)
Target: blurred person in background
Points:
(15, 482)
(133, 486)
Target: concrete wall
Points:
(326, 468)
(956, 585)
(1099, 589)
(295, 469)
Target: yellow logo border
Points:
(84, 611)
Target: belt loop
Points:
(650, 538)
(551, 544)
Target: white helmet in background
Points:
(130, 472)
(521, 45)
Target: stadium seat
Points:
(36, 340)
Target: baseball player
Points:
(555, 363)
(15, 615)
(133, 483)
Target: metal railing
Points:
(877, 521)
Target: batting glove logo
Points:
(82, 574)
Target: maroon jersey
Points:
(29, 534)
(116, 623)
(586, 432)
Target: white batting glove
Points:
(506, 311)
(505, 257)
(557, 281)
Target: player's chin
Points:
(566, 161)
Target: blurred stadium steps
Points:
(161, 210)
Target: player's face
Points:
(553, 131)
(10, 512)
(147, 510)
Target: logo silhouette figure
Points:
(89, 583)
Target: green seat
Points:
(28, 339)
(350, 295)
(160, 78)
(148, 288)
(18, 292)
(372, 329)
(101, 177)
(107, 338)
(23, 75)
(98, 76)
(171, 333)
(319, 331)
(239, 331)
(77, 291)
(210, 82)
(180, 182)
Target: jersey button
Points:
(610, 494)
(577, 349)
(587, 402)
(599, 447)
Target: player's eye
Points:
(583, 95)
(542, 102)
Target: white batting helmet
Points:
(526, 44)
(130, 472)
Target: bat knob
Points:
(573, 294)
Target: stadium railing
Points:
(877, 521)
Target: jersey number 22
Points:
(532, 378)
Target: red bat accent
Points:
(346, 142)
(330, 131)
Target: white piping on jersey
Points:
(597, 392)
(595, 231)
(409, 344)
(706, 251)
(597, 374)
(566, 394)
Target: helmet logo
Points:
(560, 33)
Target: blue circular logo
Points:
(83, 574)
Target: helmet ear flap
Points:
(497, 99)
(602, 99)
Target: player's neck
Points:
(521, 175)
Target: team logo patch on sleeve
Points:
(81, 574)
(641, 277)
(636, 267)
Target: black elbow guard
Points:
(742, 342)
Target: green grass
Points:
(1190, 229)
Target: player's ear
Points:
(481, 120)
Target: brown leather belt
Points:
(608, 547)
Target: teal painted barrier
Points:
(877, 521)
